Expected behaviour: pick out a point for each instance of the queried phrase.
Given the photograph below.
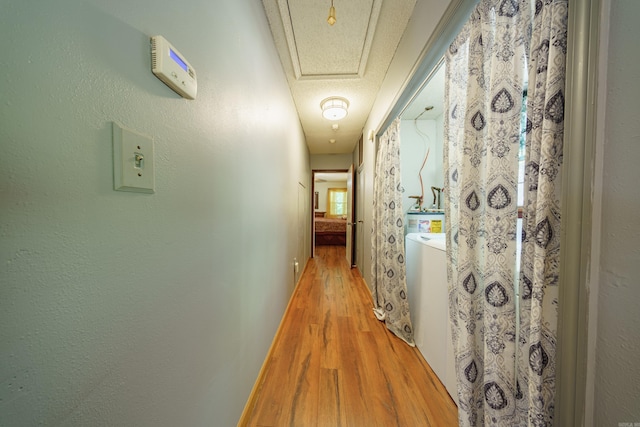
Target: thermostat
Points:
(172, 68)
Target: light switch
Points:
(132, 161)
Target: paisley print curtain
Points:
(388, 270)
(541, 217)
(506, 376)
(485, 69)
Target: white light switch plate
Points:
(132, 161)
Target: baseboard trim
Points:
(251, 401)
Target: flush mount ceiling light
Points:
(332, 14)
(334, 108)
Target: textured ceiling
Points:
(320, 51)
(349, 59)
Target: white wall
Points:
(413, 148)
(135, 309)
(617, 373)
(331, 161)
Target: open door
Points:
(359, 224)
(350, 221)
(303, 231)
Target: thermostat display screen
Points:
(176, 58)
(172, 68)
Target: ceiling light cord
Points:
(332, 15)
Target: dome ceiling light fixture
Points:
(334, 108)
(332, 15)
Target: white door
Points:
(350, 216)
(303, 232)
(360, 219)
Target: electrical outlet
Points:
(133, 168)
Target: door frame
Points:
(312, 198)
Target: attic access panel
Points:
(319, 50)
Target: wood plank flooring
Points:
(334, 364)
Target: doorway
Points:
(328, 225)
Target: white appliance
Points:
(429, 304)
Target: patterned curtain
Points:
(388, 270)
(485, 69)
(541, 218)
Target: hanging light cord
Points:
(332, 14)
(424, 162)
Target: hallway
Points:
(334, 364)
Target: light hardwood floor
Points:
(334, 364)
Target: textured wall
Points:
(135, 309)
(331, 161)
(413, 148)
(617, 380)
